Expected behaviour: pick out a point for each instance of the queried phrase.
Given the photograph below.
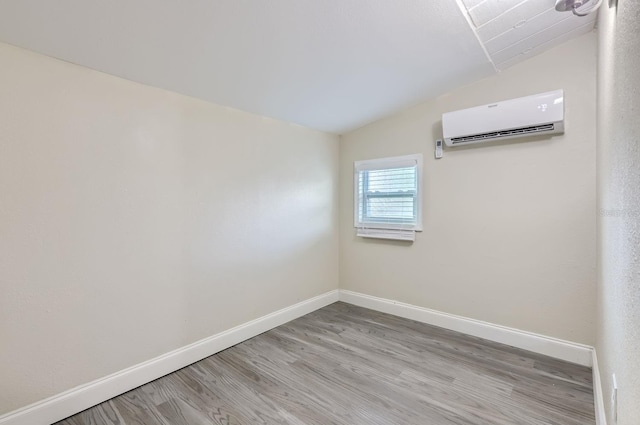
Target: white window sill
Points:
(394, 234)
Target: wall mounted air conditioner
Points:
(526, 116)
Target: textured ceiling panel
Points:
(588, 27)
(515, 17)
(488, 10)
(471, 3)
(513, 30)
(523, 46)
(538, 30)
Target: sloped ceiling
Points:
(328, 65)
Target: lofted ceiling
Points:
(326, 64)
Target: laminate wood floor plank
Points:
(136, 409)
(412, 333)
(322, 375)
(102, 414)
(443, 391)
(178, 412)
(258, 376)
(69, 421)
(498, 365)
(318, 374)
(438, 351)
(353, 373)
(438, 341)
(461, 402)
(218, 389)
(199, 395)
(346, 365)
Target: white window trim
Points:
(403, 231)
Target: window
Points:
(387, 194)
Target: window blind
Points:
(387, 197)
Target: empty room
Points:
(316, 212)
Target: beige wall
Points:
(510, 229)
(618, 334)
(134, 221)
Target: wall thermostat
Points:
(438, 152)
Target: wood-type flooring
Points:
(348, 365)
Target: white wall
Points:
(618, 336)
(134, 221)
(509, 229)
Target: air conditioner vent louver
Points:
(536, 115)
(503, 133)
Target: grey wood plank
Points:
(102, 414)
(236, 404)
(136, 408)
(274, 388)
(69, 421)
(346, 365)
(325, 392)
(178, 412)
(247, 401)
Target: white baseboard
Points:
(60, 406)
(80, 398)
(598, 395)
(557, 348)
